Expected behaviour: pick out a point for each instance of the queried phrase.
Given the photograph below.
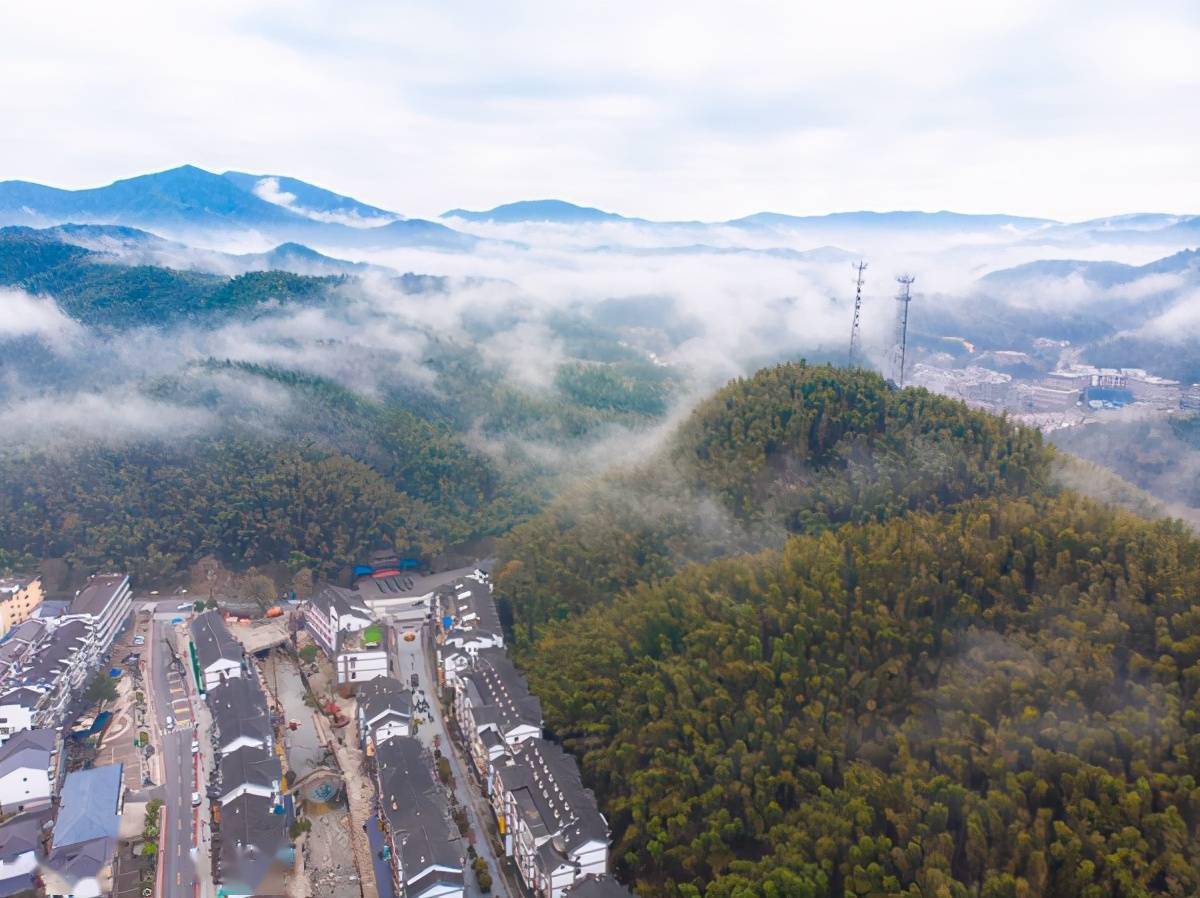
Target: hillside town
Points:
(370, 739)
(1071, 394)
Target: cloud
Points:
(22, 315)
(268, 189)
(698, 110)
(112, 417)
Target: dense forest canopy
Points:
(1001, 700)
(794, 449)
(946, 676)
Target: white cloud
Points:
(673, 110)
(268, 189)
(22, 315)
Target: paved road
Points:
(179, 773)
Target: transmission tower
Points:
(855, 338)
(904, 297)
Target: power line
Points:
(855, 338)
(904, 296)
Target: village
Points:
(369, 740)
(1071, 394)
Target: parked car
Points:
(195, 746)
(415, 681)
(186, 606)
(197, 799)
(139, 640)
(170, 721)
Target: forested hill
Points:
(945, 676)
(793, 449)
(1001, 700)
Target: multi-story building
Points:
(28, 770)
(343, 626)
(495, 709)
(550, 823)
(20, 597)
(44, 667)
(427, 854)
(106, 602)
(469, 624)
(217, 655)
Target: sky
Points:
(707, 110)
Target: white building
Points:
(218, 655)
(28, 767)
(106, 602)
(249, 770)
(469, 624)
(427, 855)
(550, 823)
(44, 666)
(344, 628)
(495, 709)
(384, 711)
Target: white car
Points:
(139, 640)
(186, 606)
(195, 746)
(170, 723)
(196, 799)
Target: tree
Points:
(211, 605)
(198, 605)
(302, 582)
(259, 589)
(149, 849)
(299, 827)
(101, 688)
(308, 653)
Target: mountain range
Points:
(187, 201)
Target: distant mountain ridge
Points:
(1101, 273)
(187, 200)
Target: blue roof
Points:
(88, 806)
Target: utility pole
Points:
(855, 339)
(905, 297)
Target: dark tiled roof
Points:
(474, 611)
(550, 795)
(252, 839)
(592, 886)
(19, 835)
(344, 601)
(99, 591)
(499, 694)
(213, 640)
(249, 765)
(383, 694)
(416, 809)
(30, 748)
(239, 708)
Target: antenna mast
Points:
(855, 339)
(905, 297)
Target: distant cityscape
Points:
(1071, 394)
